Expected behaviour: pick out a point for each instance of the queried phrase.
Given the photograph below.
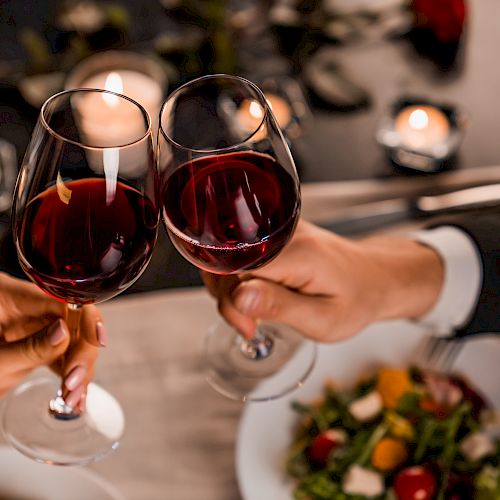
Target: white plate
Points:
(24, 479)
(266, 428)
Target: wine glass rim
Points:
(213, 77)
(49, 129)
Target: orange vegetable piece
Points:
(389, 453)
(392, 385)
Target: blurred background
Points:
(343, 77)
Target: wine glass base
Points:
(30, 428)
(240, 377)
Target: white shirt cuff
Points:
(463, 277)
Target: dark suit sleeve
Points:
(484, 230)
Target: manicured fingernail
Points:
(75, 377)
(102, 336)
(246, 298)
(82, 405)
(58, 331)
(74, 397)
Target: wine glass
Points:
(231, 200)
(85, 220)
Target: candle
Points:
(112, 122)
(134, 84)
(141, 77)
(280, 108)
(249, 117)
(422, 127)
(251, 113)
(107, 120)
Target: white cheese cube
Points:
(361, 481)
(367, 407)
(476, 446)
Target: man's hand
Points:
(329, 288)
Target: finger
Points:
(75, 397)
(79, 365)
(39, 349)
(244, 324)
(26, 326)
(22, 299)
(78, 371)
(260, 299)
(222, 287)
(92, 327)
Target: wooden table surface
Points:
(180, 434)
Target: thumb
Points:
(261, 299)
(42, 348)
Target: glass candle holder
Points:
(289, 106)
(420, 134)
(138, 76)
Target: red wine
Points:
(85, 241)
(230, 212)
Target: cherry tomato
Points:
(323, 444)
(415, 483)
(439, 411)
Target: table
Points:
(180, 434)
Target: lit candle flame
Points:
(419, 119)
(114, 83)
(255, 109)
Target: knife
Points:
(368, 217)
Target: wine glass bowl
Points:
(85, 221)
(230, 203)
(84, 227)
(231, 230)
(231, 196)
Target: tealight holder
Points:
(288, 104)
(420, 134)
(139, 76)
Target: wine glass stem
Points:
(57, 406)
(260, 346)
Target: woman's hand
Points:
(33, 333)
(329, 287)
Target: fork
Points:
(439, 353)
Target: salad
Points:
(402, 434)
